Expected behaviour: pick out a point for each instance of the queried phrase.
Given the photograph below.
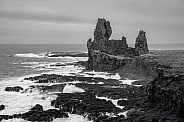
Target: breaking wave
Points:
(31, 55)
(72, 89)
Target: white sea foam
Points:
(72, 118)
(104, 75)
(71, 59)
(72, 89)
(14, 120)
(44, 55)
(20, 102)
(31, 55)
(115, 102)
(123, 113)
(67, 70)
(127, 81)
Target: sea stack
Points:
(141, 46)
(105, 54)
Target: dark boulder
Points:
(37, 108)
(2, 107)
(14, 89)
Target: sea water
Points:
(20, 61)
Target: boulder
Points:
(14, 89)
(37, 108)
(2, 107)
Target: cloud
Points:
(41, 17)
(71, 20)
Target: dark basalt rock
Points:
(164, 100)
(2, 107)
(84, 104)
(37, 108)
(105, 54)
(53, 78)
(167, 93)
(141, 46)
(14, 89)
(37, 114)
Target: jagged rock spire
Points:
(102, 30)
(141, 46)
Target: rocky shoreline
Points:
(155, 92)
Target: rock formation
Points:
(141, 46)
(105, 54)
(167, 93)
(37, 114)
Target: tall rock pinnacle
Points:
(141, 46)
(102, 30)
(105, 54)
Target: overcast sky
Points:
(73, 21)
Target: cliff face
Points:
(105, 54)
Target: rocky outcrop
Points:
(141, 46)
(167, 93)
(105, 54)
(163, 100)
(37, 114)
(88, 105)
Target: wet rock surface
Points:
(37, 114)
(84, 104)
(14, 89)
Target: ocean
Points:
(18, 61)
(24, 59)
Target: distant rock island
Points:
(106, 54)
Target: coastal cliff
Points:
(160, 98)
(106, 54)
